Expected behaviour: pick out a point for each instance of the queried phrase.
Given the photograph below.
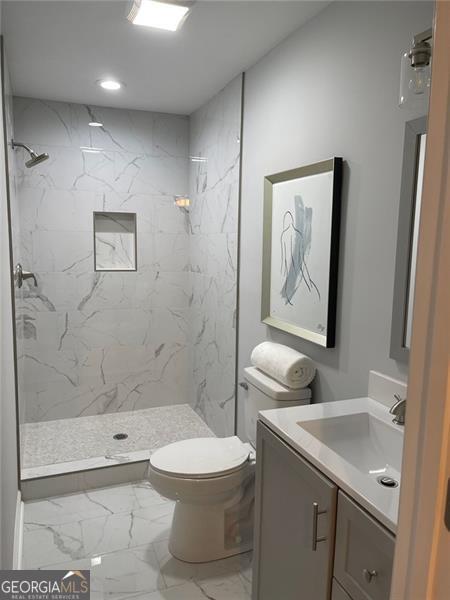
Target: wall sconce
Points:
(183, 202)
(415, 71)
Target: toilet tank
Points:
(264, 393)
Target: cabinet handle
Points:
(315, 539)
(369, 575)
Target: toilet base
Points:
(203, 533)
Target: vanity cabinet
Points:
(338, 592)
(364, 553)
(294, 527)
(312, 542)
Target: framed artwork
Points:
(301, 250)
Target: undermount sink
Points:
(369, 444)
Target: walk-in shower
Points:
(125, 320)
(35, 158)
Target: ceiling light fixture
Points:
(95, 124)
(109, 84)
(161, 15)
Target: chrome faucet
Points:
(398, 410)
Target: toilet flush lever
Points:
(20, 275)
(243, 385)
(315, 539)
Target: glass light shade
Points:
(414, 84)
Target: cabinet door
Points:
(364, 553)
(287, 563)
(338, 592)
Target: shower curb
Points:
(82, 480)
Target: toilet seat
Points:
(200, 458)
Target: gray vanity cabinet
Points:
(364, 553)
(294, 524)
(338, 592)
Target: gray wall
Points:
(8, 433)
(331, 88)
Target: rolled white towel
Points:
(286, 365)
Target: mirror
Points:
(407, 237)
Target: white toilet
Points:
(212, 479)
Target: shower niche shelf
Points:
(114, 241)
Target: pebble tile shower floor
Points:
(86, 442)
(121, 533)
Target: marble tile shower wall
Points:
(214, 190)
(102, 342)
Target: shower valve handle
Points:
(20, 275)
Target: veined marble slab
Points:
(214, 191)
(120, 533)
(90, 342)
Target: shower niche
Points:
(114, 241)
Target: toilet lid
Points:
(201, 457)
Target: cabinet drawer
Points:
(364, 553)
(338, 593)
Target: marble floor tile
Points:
(188, 591)
(52, 544)
(121, 534)
(120, 574)
(227, 578)
(126, 530)
(90, 504)
(86, 524)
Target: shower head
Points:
(35, 158)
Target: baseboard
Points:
(18, 533)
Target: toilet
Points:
(212, 479)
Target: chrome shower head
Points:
(35, 158)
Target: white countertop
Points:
(379, 501)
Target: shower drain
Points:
(387, 482)
(120, 436)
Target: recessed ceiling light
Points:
(110, 84)
(162, 15)
(95, 124)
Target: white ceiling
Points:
(58, 49)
